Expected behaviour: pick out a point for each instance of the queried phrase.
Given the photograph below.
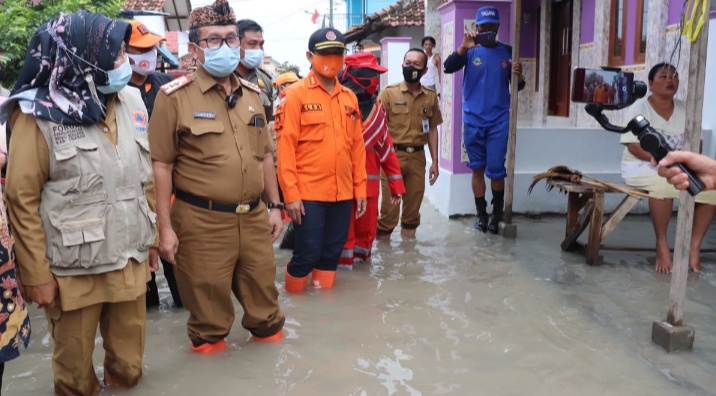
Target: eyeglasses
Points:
(216, 42)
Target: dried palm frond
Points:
(560, 172)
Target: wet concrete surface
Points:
(452, 312)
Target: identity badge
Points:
(426, 125)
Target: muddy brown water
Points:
(450, 313)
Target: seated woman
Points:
(668, 116)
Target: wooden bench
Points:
(585, 208)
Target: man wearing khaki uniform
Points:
(208, 135)
(413, 118)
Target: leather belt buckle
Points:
(243, 208)
(410, 149)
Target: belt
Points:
(215, 206)
(408, 149)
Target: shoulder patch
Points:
(250, 85)
(174, 85)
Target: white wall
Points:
(155, 23)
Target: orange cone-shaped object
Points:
(209, 348)
(272, 338)
(322, 279)
(294, 284)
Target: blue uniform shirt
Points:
(486, 82)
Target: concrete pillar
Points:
(432, 21)
(393, 50)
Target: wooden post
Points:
(514, 82)
(674, 335)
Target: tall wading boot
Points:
(272, 338)
(208, 348)
(322, 279)
(289, 238)
(482, 218)
(498, 204)
(294, 284)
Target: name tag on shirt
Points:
(205, 115)
(401, 103)
(426, 125)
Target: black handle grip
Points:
(695, 184)
(655, 144)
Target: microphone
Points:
(231, 100)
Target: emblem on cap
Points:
(331, 35)
(143, 29)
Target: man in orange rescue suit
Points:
(208, 135)
(361, 76)
(413, 119)
(321, 162)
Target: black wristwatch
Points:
(279, 206)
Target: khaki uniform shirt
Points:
(26, 174)
(264, 82)
(217, 152)
(406, 113)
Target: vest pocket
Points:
(90, 166)
(146, 224)
(145, 161)
(82, 244)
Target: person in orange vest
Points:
(361, 76)
(321, 165)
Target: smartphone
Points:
(599, 86)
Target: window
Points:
(627, 13)
(616, 33)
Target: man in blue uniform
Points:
(486, 110)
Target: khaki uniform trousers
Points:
(219, 253)
(412, 166)
(123, 329)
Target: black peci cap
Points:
(326, 38)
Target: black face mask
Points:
(486, 39)
(412, 74)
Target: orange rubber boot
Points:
(272, 338)
(209, 348)
(294, 284)
(322, 279)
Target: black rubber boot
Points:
(497, 216)
(481, 223)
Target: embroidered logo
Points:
(311, 107)
(477, 61)
(140, 121)
(504, 63)
(331, 35)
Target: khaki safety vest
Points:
(94, 208)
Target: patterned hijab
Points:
(68, 57)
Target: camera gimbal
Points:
(649, 139)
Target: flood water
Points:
(450, 313)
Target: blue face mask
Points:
(252, 58)
(220, 62)
(118, 78)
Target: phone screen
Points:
(602, 86)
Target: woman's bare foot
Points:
(695, 261)
(663, 259)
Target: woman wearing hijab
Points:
(80, 195)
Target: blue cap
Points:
(487, 15)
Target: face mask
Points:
(145, 63)
(328, 66)
(486, 39)
(118, 78)
(411, 74)
(220, 62)
(369, 84)
(253, 58)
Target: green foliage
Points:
(20, 18)
(290, 67)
